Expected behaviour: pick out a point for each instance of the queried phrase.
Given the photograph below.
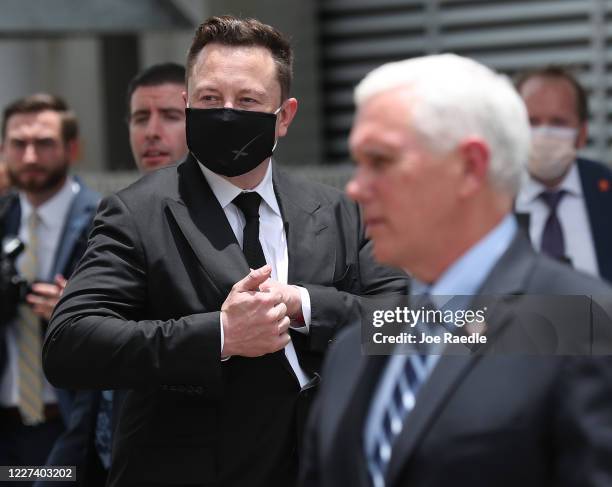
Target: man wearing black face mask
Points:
(211, 289)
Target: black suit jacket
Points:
(596, 181)
(479, 420)
(72, 244)
(142, 313)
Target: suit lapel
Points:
(10, 215)
(201, 220)
(353, 404)
(308, 229)
(434, 394)
(77, 220)
(508, 277)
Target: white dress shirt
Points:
(52, 215)
(572, 214)
(272, 238)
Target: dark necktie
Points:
(553, 243)
(248, 203)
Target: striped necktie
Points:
(29, 340)
(402, 401)
(407, 385)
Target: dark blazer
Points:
(479, 420)
(596, 180)
(72, 244)
(142, 313)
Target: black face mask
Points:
(230, 142)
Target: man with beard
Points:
(50, 213)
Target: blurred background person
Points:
(156, 123)
(566, 202)
(51, 213)
(156, 116)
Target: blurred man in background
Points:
(439, 163)
(156, 116)
(566, 202)
(51, 213)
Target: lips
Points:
(155, 153)
(372, 224)
(154, 158)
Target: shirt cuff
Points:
(306, 312)
(223, 359)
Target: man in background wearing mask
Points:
(211, 289)
(156, 122)
(567, 201)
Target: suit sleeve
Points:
(583, 429)
(99, 322)
(338, 304)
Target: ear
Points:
(476, 157)
(184, 95)
(285, 116)
(583, 133)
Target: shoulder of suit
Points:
(555, 278)
(595, 167)
(156, 185)
(320, 191)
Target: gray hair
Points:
(456, 98)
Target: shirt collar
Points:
(54, 207)
(531, 189)
(467, 274)
(225, 192)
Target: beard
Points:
(45, 179)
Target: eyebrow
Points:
(146, 111)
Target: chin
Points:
(383, 254)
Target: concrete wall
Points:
(68, 67)
(72, 68)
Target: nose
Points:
(356, 188)
(29, 154)
(153, 129)
(228, 104)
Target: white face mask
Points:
(553, 149)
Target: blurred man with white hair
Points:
(439, 144)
